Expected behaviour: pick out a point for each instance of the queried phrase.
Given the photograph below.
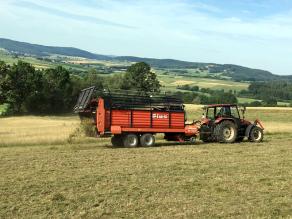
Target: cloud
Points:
(224, 31)
(64, 14)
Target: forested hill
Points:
(235, 72)
(40, 50)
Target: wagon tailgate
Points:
(84, 99)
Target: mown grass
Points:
(95, 180)
(91, 179)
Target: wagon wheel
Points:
(131, 140)
(147, 140)
(117, 141)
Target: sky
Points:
(252, 33)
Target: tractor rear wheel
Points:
(130, 140)
(256, 134)
(117, 141)
(225, 132)
(147, 140)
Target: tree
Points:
(195, 88)
(219, 97)
(255, 104)
(58, 89)
(114, 82)
(55, 94)
(92, 78)
(270, 101)
(3, 73)
(18, 84)
(139, 77)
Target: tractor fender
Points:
(248, 129)
(219, 120)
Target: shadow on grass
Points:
(198, 143)
(157, 145)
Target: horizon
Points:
(252, 34)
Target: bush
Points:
(255, 104)
(5, 109)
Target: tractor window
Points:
(234, 112)
(223, 112)
(211, 113)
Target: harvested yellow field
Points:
(213, 84)
(275, 127)
(280, 109)
(182, 82)
(84, 61)
(30, 130)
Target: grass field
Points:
(43, 174)
(170, 82)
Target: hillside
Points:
(183, 68)
(40, 50)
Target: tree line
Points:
(55, 90)
(206, 95)
(270, 92)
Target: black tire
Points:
(193, 140)
(147, 140)
(239, 139)
(204, 134)
(117, 141)
(130, 140)
(225, 132)
(256, 135)
(206, 139)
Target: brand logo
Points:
(159, 116)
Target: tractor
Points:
(225, 123)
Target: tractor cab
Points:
(219, 112)
(226, 123)
(215, 112)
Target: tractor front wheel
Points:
(256, 134)
(225, 132)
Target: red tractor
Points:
(225, 124)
